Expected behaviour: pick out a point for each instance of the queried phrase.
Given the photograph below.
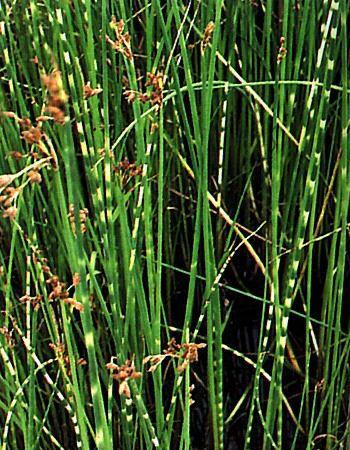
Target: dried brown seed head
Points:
(122, 42)
(89, 91)
(112, 366)
(130, 96)
(156, 81)
(124, 389)
(81, 362)
(57, 97)
(32, 136)
(8, 336)
(72, 302)
(209, 29)
(57, 114)
(10, 213)
(6, 180)
(123, 374)
(16, 155)
(25, 123)
(34, 177)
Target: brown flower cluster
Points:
(83, 216)
(154, 96)
(8, 336)
(131, 96)
(282, 51)
(187, 353)
(16, 155)
(34, 177)
(122, 43)
(40, 260)
(57, 97)
(60, 352)
(190, 354)
(90, 92)
(8, 196)
(128, 169)
(209, 29)
(33, 135)
(34, 301)
(156, 82)
(59, 292)
(5, 180)
(58, 288)
(123, 374)
(173, 348)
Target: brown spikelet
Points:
(123, 374)
(5, 180)
(209, 29)
(33, 135)
(122, 44)
(34, 177)
(90, 92)
(10, 213)
(57, 97)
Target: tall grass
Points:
(174, 176)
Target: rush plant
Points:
(174, 230)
